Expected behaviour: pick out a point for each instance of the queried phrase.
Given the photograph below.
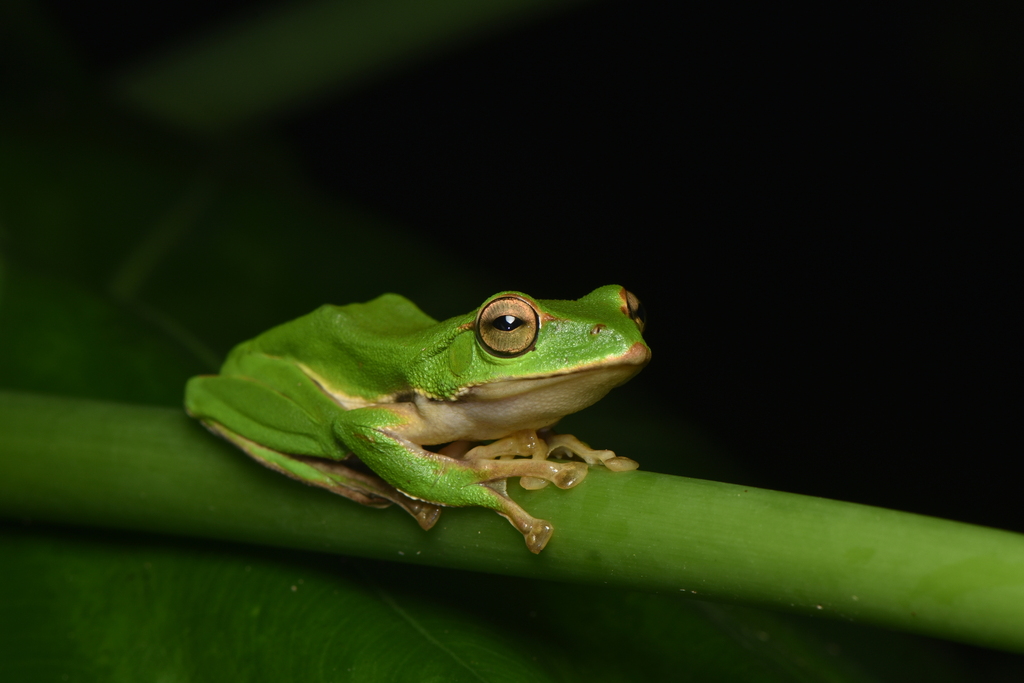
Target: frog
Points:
(382, 404)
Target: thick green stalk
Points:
(87, 462)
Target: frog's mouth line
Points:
(635, 359)
(596, 379)
(624, 366)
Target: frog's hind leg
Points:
(372, 433)
(334, 476)
(489, 491)
(356, 485)
(536, 531)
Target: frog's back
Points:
(357, 350)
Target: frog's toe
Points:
(532, 483)
(621, 464)
(569, 474)
(536, 532)
(427, 515)
(537, 537)
(424, 513)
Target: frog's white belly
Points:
(492, 411)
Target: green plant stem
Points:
(153, 469)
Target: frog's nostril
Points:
(597, 328)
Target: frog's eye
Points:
(507, 327)
(635, 310)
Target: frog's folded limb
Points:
(296, 423)
(445, 480)
(334, 476)
(290, 433)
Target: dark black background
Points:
(816, 204)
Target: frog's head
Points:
(560, 356)
(522, 336)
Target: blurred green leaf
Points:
(133, 258)
(103, 606)
(137, 609)
(295, 52)
(55, 337)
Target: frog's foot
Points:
(532, 483)
(424, 513)
(536, 532)
(524, 442)
(572, 445)
(564, 475)
(527, 442)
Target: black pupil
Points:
(506, 323)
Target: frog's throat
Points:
(560, 388)
(492, 411)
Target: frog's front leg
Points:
(376, 435)
(540, 445)
(523, 442)
(569, 443)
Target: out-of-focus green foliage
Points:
(132, 258)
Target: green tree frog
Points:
(382, 404)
